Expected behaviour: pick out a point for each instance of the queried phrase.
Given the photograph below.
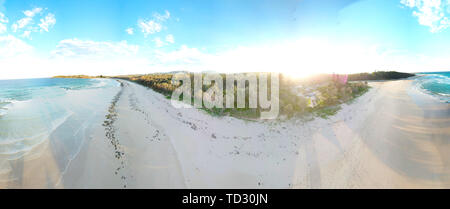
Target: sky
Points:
(42, 38)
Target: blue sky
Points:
(196, 23)
(47, 37)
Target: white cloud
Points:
(159, 42)
(14, 27)
(183, 55)
(170, 39)
(17, 59)
(71, 56)
(161, 17)
(93, 49)
(33, 12)
(27, 25)
(26, 34)
(95, 58)
(154, 25)
(3, 18)
(26, 21)
(431, 13)
(3, 28)
(298, 58)
(130, 31)
(21, 23)
(48, 22)
(149, 27)
(11, 46)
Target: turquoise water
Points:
(435, 83)
(26, 89)
(33, 111)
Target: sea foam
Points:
(436, 84)
(35, 117)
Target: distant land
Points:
(377, 75)
(77, 76)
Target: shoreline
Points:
(442, 97)
(60, 146)
(377, 141)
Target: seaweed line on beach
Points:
(110, 130)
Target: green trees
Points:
(295, 99)
(379, 75)
(318, 96)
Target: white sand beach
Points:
(391, 137)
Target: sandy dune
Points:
(391, 137)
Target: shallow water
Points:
(34, 110)
(436, 84)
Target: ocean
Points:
(436, 84)
(12, 91)
(33, 111)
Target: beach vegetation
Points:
(326, 112)
(379, 75)
(320, 95)
(321, 98)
